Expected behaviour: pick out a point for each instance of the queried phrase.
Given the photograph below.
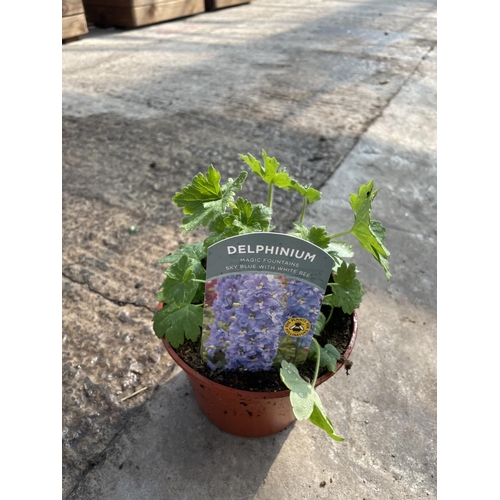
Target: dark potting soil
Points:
(337, 332)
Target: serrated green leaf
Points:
(378, 230)
(177, 322)
(302, 231)
(203, 188)
(179, 286)
(282, 180)
(370, 234)
(193, 250)
(347, 291)
(331, 352)
(250, 217)
(328, 357)
(243, 218)
(316, 235)
(307, 191)
(196, 252)
(254, 164)
(341, 249)
(270, 172)
(345, 274)
(207, 211)
(319, 236)
(219, 230)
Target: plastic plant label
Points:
(263, 295)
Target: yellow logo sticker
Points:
(297, 327)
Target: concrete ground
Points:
(340, 92)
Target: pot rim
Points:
(269, 394)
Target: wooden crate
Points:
(133, 13)
(74, 23)
(220, 4)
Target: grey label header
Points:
(270, 253)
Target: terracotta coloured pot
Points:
(247, 413)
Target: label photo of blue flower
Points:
(245, 317)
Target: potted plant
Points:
(258, 319)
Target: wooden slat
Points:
(72, 7)
(166, 11)
(73, 26)
(132, 15)
(220, 4)
(128, 4)
(109, 16)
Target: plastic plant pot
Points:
(248, 413)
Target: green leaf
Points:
(328, 356)
(177, 322)
(346, 274)
(291, 378)
(201, 190)
(370, 234)
(204, 198)
(316, 235)
(302, 403)
(219, 230)
(195, 251)
(347, 291)
(307, 191)
(179, 286)
(249, 217)
(341, 249)
(243, 218)
(319, 326)
(302, 393)
(378, 230)
(305, 400)
(320, 419)
(270, 172)
(254, 164)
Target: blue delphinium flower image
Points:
(303, 300)
(249, 311)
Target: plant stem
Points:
(270, 195)
(303, 212)
(270, 199)
(340, 234)
(318, 356)
(198, 281)
(329, 316)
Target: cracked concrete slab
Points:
(340, 92)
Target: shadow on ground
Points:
(179, 454)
